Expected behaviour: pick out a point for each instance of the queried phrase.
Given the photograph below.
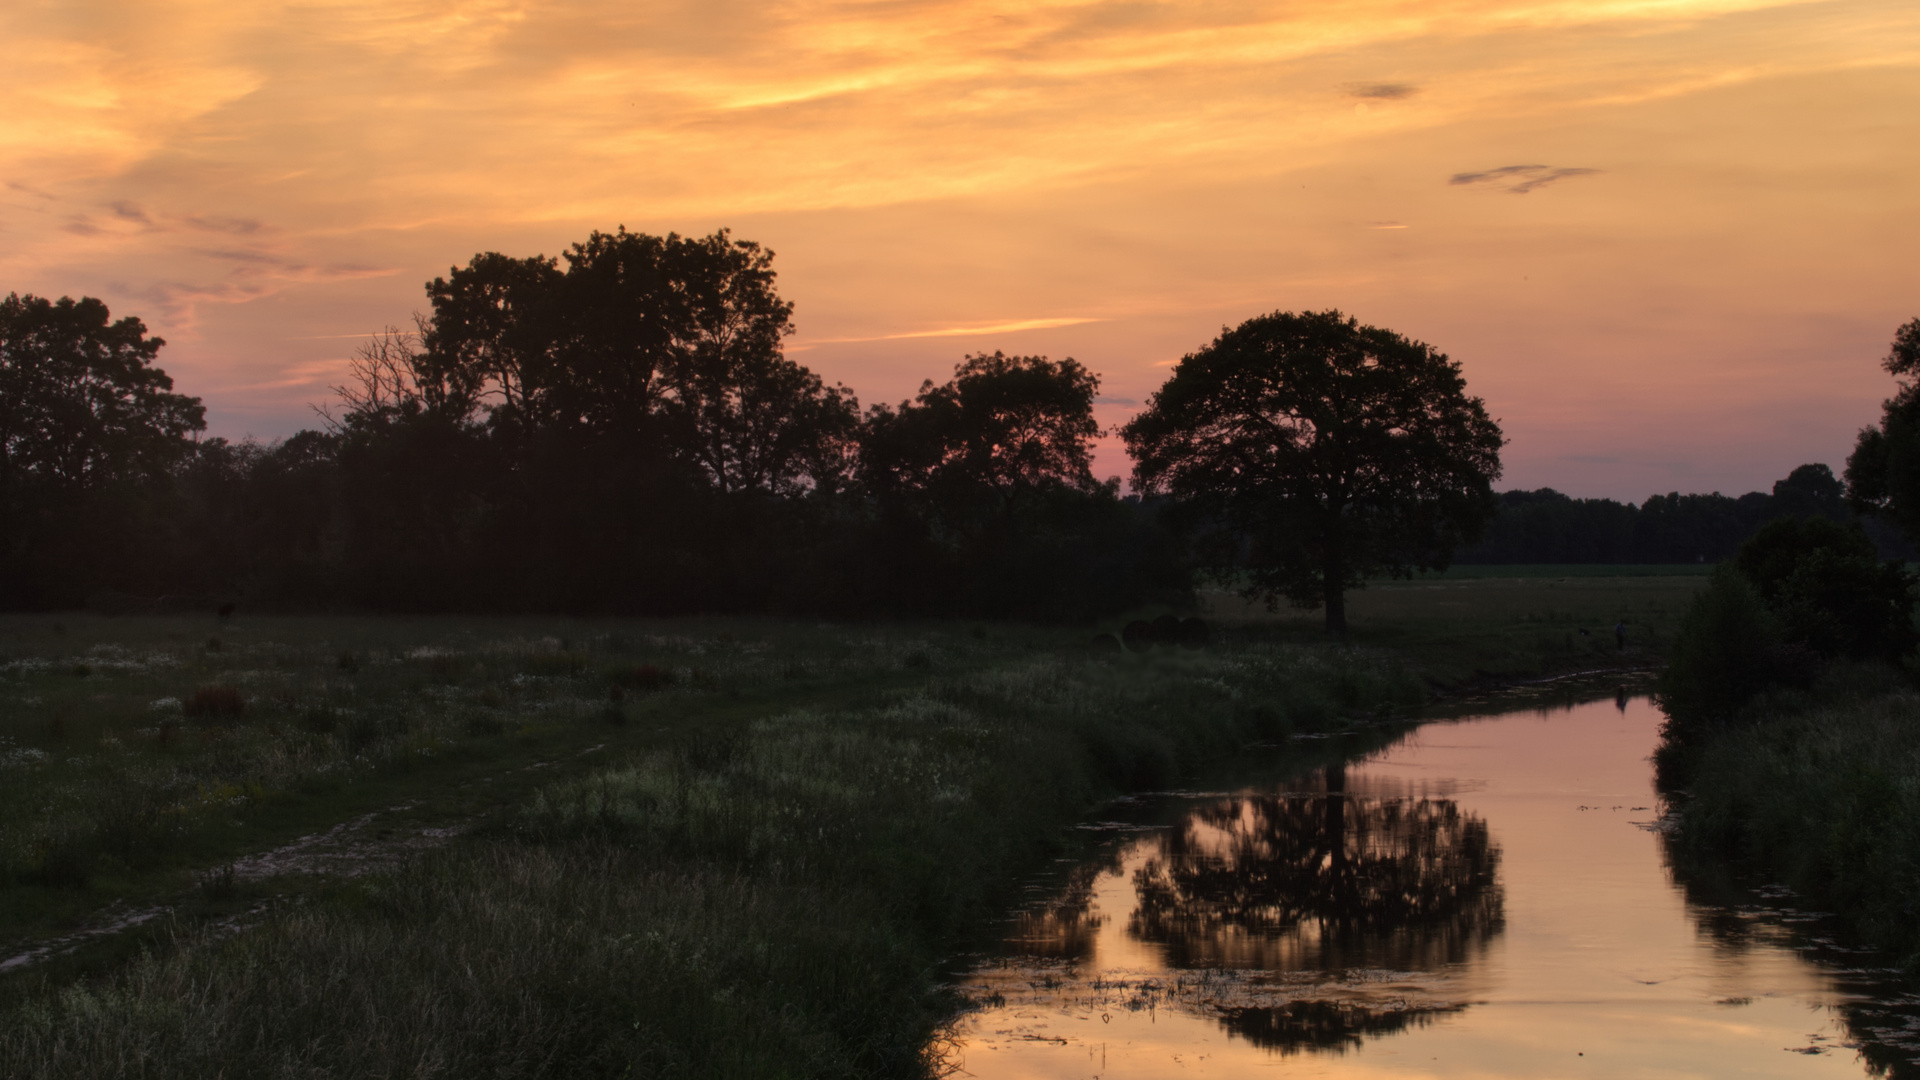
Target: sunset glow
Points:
(1668, 239)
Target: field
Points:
(423, 847)
(1461, 630)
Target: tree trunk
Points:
(1335, 575)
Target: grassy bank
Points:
(687, 849)
(1820, 790)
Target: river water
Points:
(1488, 897)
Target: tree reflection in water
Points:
(1321, 880)
(1306, 920)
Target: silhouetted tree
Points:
(1830, 590)
(87, 426)
(1003, 431)
(1883, 472)
(1317, 451)
(986, 500)
(670, 342)
(81, 404)
(1810, 491)
(1545, 526)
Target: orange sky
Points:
(1669, 239)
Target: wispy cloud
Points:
(1519, 179)
(953, 331)
(1387, 91)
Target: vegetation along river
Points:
(1490, 897)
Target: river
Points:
(1488, 897)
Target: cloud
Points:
(127, 211)
(953, 331)
(1519, 179)
(236, 226)
(1384, 91)
(245, 256)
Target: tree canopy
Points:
(671, 341)
(81, 403)
(88, 424)
(1883, 472)
(1312, 451)
(1830, 589)
(1003, 430)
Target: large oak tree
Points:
(1311, 452)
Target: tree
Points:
(1311, 451)
(1831, 591)
(1810, 491)
(1883, 472)
(986, 502)
(1003, 432)
(89, 429)
(81, 404)
(672, 341)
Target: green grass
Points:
(677, 848)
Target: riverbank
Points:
(1820, 791)
(510, 848)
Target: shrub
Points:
(1723, 654)
(640, 677)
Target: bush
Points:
(215, 701)
(1830, 590)
(1728, 648)
(1802, 594)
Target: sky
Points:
(1668, 240)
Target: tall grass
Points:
(769, 892)
(1822, 792)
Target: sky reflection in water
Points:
(1481, 899)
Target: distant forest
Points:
(1545, 526)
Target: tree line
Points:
(619, 430)
(1545, 526)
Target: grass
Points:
(1469, 572)
(1465, 632)
(1820, 790)
(688, 848)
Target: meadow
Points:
(545, 847)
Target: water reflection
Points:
(1880, 1010)
(1304, 919)
(1486, 898)
(1320, 879)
